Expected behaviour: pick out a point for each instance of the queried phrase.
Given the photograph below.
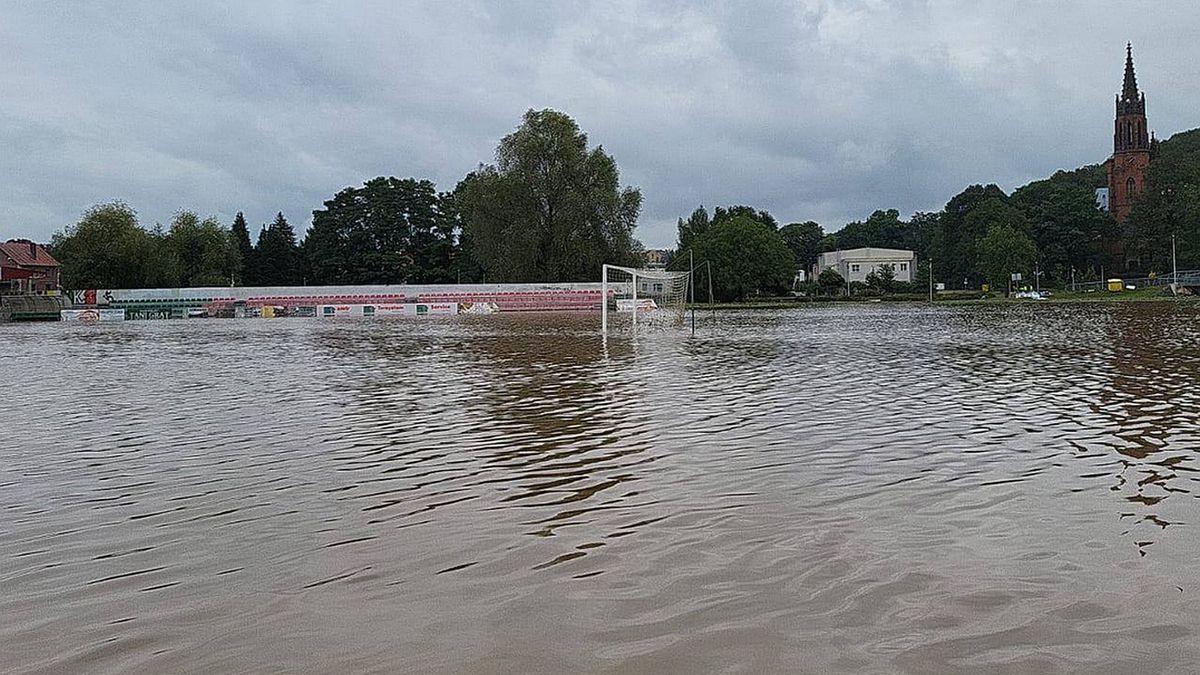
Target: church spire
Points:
(1129, 92)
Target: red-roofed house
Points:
(27, 267)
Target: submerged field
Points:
(840, 487)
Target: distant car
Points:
(197, 313)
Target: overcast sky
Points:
(811, 109)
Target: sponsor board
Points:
(388, 309)
(437, 308)
(643, 304)
(90, 297)
(91, 316)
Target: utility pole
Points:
(1174, 268)
(692, 286)
(1072, 279)
(931, 279)
(1037, 277)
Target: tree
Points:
(1068, 228)
(804, 240)
(696, 225)
(241, 238)
(203, 253)
(747, 257)
(388, 231)
(721, 215)
(883, 229)
(883, 279)
(276, 254)
(105, 249)
(1004, 250)
(831, 281)
(954, 241)
(550, 209)
(1167, 206)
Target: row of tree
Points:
(552, 209)
(549, 209)
(1050, 227)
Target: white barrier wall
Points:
(389, 293)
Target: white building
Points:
(856, 263)
(1102, 198)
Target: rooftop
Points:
(25, 253)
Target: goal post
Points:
(631, 296)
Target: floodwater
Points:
(867, 489)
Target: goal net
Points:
(634, 297)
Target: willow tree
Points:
(550, 208)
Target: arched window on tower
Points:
(1128, 135)
(1130, 188)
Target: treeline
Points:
(982, 235)
(550, 209)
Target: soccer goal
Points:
(633, 297)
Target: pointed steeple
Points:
(1129, 92)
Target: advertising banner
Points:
(388, 309)
(91, 316)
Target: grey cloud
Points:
(812, 109)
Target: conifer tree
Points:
(241, 237)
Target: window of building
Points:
(1130, 187)
(854, 268)
(903, 267)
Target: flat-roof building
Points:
(856, 263)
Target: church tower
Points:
(1131, 145)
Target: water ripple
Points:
(832, 489)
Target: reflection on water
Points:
(835, 489)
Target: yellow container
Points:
(268, 312)
(1116, 285)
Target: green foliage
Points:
(747, 257)
(389, 231)
(1068, 228)
(920, 278)
(883, 229)
(241, 238)
(696, 225)
(831, 281)
(954, 240)
(276, 255)
(108, 249)
(1005, 249)
(1170, 205)
(805, 241)
(105, 249)
(721, 215)
(882, 279)
(199, 253)
(550, 209)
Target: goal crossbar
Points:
(660, 295)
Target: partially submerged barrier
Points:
(333, 301)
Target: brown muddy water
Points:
(843, 489)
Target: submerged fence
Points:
(1186, 278)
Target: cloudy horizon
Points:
(818, 110)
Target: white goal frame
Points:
(636, 275)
